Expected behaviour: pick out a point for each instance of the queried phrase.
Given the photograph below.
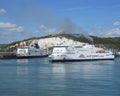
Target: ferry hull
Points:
(77, 53)
(76, 60)
(30, 52)
(23, 57)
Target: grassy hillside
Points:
(106, 42)
(3, 45)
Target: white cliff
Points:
(53, 41)
(45, 43)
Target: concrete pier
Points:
(7, 55)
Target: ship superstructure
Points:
(80, 53)
(33, 51)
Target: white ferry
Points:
(80, 53)
(30, 52)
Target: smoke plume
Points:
(48, 21)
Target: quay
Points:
(12, 55)
(7, 55)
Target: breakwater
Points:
(7, 55)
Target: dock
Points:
(7, 55)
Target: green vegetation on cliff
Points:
(108, 42)
(113, 43)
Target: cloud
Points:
(117, 23)
(2, 11)
(115, 32)
(111, 33)
(7, 25)
(47, 30)
(17, 29)
(77, 8)
(12, 32)
(8, 28)
(43, 27)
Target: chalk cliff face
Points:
(47, 42)
(44, 43)
(54, 41)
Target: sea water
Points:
(39, 77)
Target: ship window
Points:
(78, 46)
(22, 51)
(63, 55)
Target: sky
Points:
(22, 19)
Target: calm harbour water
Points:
(38, 77)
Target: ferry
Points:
(30, 52)
(80, 53)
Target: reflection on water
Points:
(24, 61)
(37, 77)
(22, 70)
(58, 69)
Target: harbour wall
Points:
(7, 55)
